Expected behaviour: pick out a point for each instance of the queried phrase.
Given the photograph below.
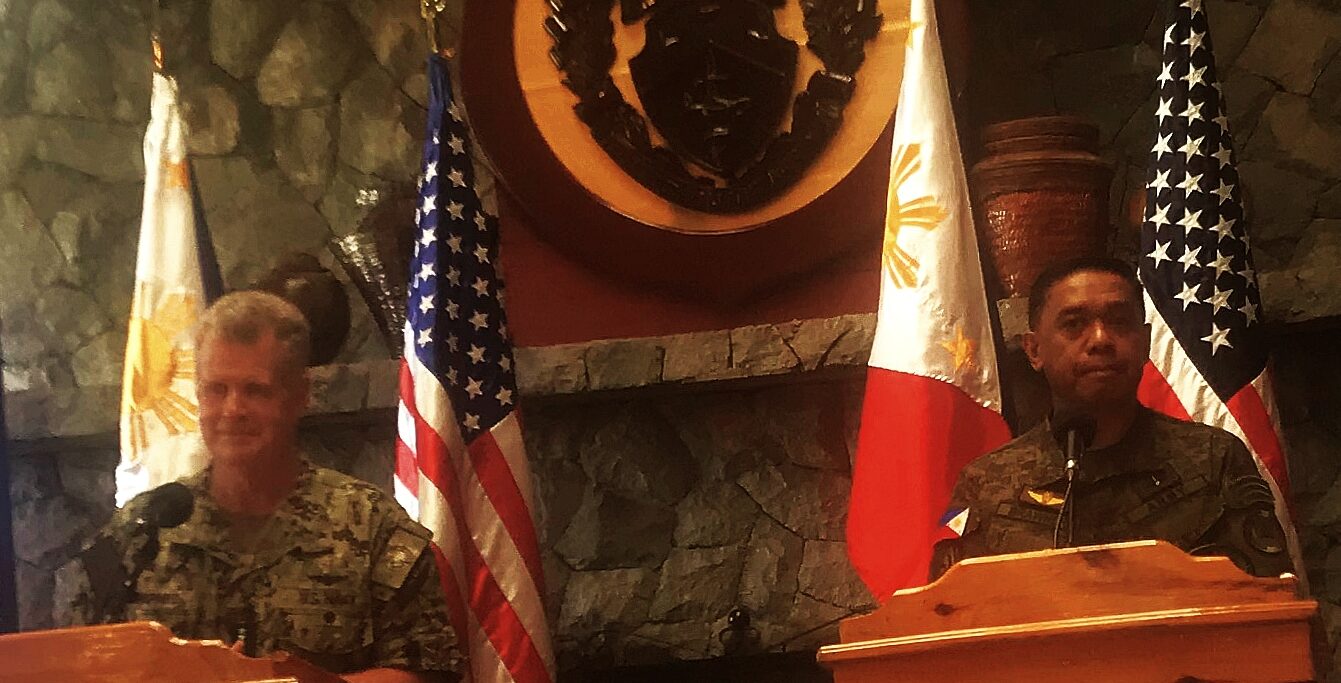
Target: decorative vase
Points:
(1041, 195)
(377, 257)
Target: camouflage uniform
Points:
(1190, 484)
(338, 575)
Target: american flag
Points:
(1208, 354)
(460, 464)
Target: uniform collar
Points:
(208, 526)
(1134, 452)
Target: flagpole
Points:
(9, 609)
(429, 10)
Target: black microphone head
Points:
(1082, 425)
(169, 505)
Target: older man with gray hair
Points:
(277, 553)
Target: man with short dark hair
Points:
(277, 553)
(1144, 476)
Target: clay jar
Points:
(1041, 196)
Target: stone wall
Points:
(660, 514)
(300, 112)
(1277, 61)
(678, 478)
(671, 490)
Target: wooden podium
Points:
(140, 651)
(1140, 611)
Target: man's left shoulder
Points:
(345, 492)
(1192, 437)
(327, 481)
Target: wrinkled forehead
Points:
(221, 354)
(1091, 291)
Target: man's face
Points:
(1091, 341)
(249, 411)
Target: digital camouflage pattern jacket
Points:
(339, 575)
(1193, 485)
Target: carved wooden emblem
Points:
(715, 79)
(715, 149)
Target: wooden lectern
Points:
(142, 652)
(1139, 611)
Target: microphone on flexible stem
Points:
(169, 506)
(1074, 433)
(112, 586)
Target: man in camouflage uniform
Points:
(1145, 476)
(278, 554)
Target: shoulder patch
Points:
(956, 521)
(401, 553)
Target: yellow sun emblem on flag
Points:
(177, 174)
(154, 365)
(920, 212)
(962, 349)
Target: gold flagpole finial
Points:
(158, 53)
(430, 9)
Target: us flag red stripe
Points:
(461, 467)
(1208, 353)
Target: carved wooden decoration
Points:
(608, 170)
(715, 79)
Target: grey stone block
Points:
(212, 119)
(715, 514)
(610, 531)
(305, 147)
(623, 364)
(1246, 96)
(1292, 44)
(1107, 85)
(772, 562)
(595, 601)
(242, 221)
(107, 151)
(310, 59)
(547, 370)
(16, 146)
(1232, 23)
(242, 33)
(827, 575)
(1292, 132)
(73, 79)
(812, 503)
(26, 260)
(762, 350)
(635, 453)
(99, 362)
(375, 133)
(697, 585)
(696, 356)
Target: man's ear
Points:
(1029, 343)
(1145, 340)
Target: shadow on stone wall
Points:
(662, 514)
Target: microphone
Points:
(169, 506)
(1074, 433)
(113, 587)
